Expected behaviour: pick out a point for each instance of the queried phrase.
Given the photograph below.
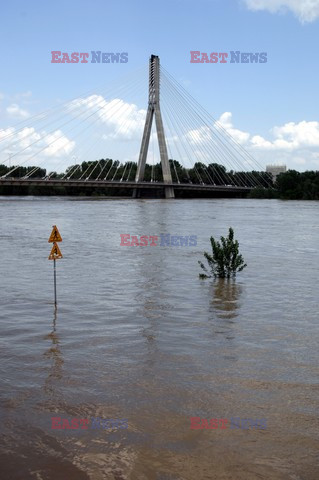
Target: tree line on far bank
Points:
(292, 185)
(114, 170)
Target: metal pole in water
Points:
(55, 255)
(54, 268)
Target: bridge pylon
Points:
(154, 109)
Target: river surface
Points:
(138, 336)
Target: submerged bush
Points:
(225, 260)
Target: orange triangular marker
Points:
(55, 235)
(55, 252)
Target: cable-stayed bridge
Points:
(194, 152)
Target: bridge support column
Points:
(154, 108)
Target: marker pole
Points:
(54, 269)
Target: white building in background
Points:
(275, 170)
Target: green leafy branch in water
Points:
(225, 260)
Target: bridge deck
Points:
(119, 184)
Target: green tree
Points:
(225, 260)
(218, 174)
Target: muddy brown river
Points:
(139, 344)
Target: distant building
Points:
(275, 170)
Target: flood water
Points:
(138, 336)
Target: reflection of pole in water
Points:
(55, 354)
(226, 294)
